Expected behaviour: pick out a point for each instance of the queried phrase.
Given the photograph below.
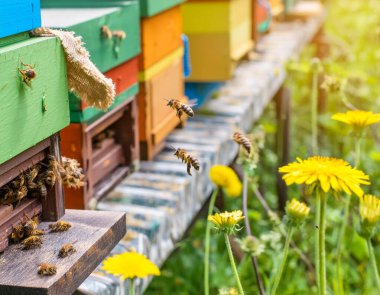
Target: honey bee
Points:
(59, 226)
(180, 108)
(49, 178)
(47, 269)
(31, 242)
(106, 32)
(66, 250)
(186, 158)
(18, 233)
(28, 74)
(14, 191)
(243, 141)
(30, 226)
(30, 176)
(119, 34)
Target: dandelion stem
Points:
(340, 245)
(132, 287)
(372, 259)
(283, 262)
(207, 243)
(249, 233)
(233, 265)
(358, 142)
(314, 110)
(321, 242)
(316, 253)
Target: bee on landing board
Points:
(59, 226)
(47, 269)
(66, 250)
(31, 243)
(188, 159)
(181, 108)
(28, 74)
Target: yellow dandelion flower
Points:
(297, 211)
(130, 265)
(329, 173)
(357, 118)
(226, 178)
(369, 209)
(226, 222)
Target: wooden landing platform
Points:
(93, 233)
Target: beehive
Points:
(220, 35)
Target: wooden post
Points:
(283, 113)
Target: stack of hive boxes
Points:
(161, 72)
(220, 35)
(35, 107)
(106, 143)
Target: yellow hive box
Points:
(219, 34)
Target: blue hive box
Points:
(17, 16)
(199, 92)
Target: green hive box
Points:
(31, 114)
(87, 22)
(147, 7)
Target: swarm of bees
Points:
(47, 269)
(66, 250)
(36, 181)
(188, 159)
(243, 141)
(180, 108)
(59, 226)
(28, 74)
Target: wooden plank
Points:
(153, 7)
(94, 234)
(24, 120)
(18, 16)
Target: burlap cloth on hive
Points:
(84, 78)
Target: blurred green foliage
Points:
(352, 37)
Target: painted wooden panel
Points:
(160, 36)
(156, 119)
(18, 16)
(31, 114)
(125, 77)
(214, 16)
(87, 22)
(152, 7)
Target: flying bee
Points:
(106, 32)
(18, 233)
(59, 226)
(180, 108)
(243, 141)
(47, 269)
(28, 74)
(66, 250)
(31, 242)
(188, 159)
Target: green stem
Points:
(314, 111)
(233, 265)
(358, 142)
(340, 245)
(317, 220)
(372, 259)
(322, 249)
(132, 287)
(283, 262)
(207, 244)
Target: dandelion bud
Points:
(297, 211)
(369, 210)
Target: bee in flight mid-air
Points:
(181, 108)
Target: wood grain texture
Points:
(160, 36)
(24, 122)
(94, 234)
(18, 16)
(103, 51)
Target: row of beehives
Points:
(161, 199)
